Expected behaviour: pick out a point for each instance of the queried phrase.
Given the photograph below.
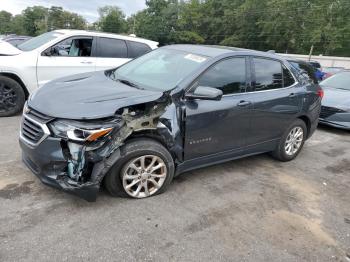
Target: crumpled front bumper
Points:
(48, 163)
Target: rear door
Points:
(218, 126)
(276, 97)
(111, 53)
(71, 56)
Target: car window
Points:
(112, 48)
(339, 81)
(38, 41)
(268, 74)
(309, 70)
(15, 42)
(73, 47)
(288, 79)
(136, 49)
(161, 69)
(228, 75)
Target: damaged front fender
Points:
(86, 165)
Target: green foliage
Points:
(291, 26)
(5, 22)
(112, 19)
(187, 37)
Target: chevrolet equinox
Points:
(174, 109)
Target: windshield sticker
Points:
(195, 58)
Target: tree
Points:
(5, 22)
(112, 19)
(35, 20)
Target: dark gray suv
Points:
(174, 109)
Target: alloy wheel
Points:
(8, 98)
(294, 141)
(144, 176)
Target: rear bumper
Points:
(48, 163)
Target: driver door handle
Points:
(244, 103)
(86, 62)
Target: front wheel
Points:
(145, 169)
(12, 97)
(291, 142)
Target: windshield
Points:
(161, 69)
(339, 81)
(38, 41)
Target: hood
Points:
(337, 98)
(87, 96)
(8, 49)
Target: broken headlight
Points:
(82, 131)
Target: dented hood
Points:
(8, 49)
(87, 96)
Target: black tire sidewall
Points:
(282, 153)
(133, 149)
(20, 96)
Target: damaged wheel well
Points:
(151, 134)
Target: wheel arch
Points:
(18, 80)
(307, 122)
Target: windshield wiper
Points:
(127, 82)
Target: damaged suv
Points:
(174, 109)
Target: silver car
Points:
(336, 102)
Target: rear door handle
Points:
(86, 62)
(292, 95)
(244, 103)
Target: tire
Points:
(132, 153)
(281, 152)
(10, 106)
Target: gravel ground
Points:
(253, 209)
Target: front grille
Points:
(34, 129)
(38, 116)
(329, 111)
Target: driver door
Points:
(218, 126)
(71, 56)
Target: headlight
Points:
(81, 131)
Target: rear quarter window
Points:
(136, 49)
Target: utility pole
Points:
(311, 50)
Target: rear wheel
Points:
(145, 169)
(291, 142)
(12, 97)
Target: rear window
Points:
(112, 48)
(137, 49)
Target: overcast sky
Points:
(86, 8)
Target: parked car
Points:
(15, 40)
(336, 104)
(305, 69)
(57, 54)
(329, 71)
(174, 109)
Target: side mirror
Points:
(205, 93)
(48, 52)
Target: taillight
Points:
(320, 93)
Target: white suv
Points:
(60, 53)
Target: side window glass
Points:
(112, 48)
(268, 74)
(74, 47)
(228, 75)
(137, 49)
(288, 79)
